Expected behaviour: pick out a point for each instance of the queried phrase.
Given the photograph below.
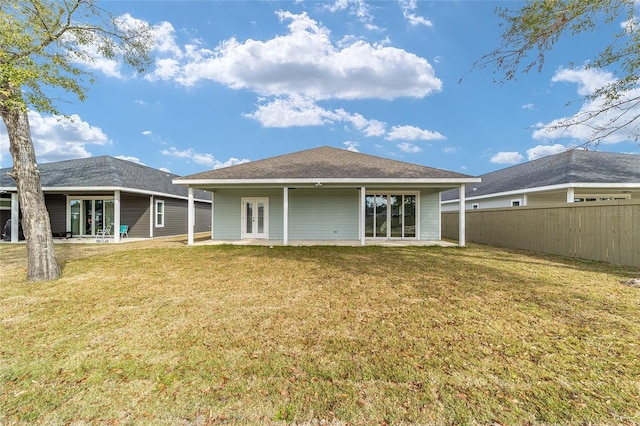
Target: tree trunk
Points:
(41, 260)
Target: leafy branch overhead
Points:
(43, 43)
(532, 31)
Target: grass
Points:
(161, 333)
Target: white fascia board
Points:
(562, 186)
(324, 181)
(116, 188)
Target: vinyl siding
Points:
(134, 211)
(228, 208)
(203, 217)
(485, 203)
(57, 208)
(429, 215)
(323, 214)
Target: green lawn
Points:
(162, 333)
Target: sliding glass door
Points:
(90, 215)
(390, 216)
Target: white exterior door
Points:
(255, 218)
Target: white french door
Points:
(255, 218)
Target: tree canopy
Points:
(44, 43)
(531, 32)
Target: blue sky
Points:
(236, 81)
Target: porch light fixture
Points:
(318, 183)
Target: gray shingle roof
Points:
(325, 163)
(572, 166)
(107, 172)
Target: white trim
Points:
(325, 181)
(584, 185)
(86, 189)
(155, 215)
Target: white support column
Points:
(191, 217)
(571, 196)
(525, 199)
(15, 217)
(363, 211)
(213, 205)
(116, 217)
(461, 237)
(285, 216)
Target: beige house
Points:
(572, 176)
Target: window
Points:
(159, 213)
(515, 203)
(475, 206)
(582, 198)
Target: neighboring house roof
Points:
(569, 167)
(323, 164)
(104, 172)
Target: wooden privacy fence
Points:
(607, 231)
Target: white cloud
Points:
(507, 158)
(544, 151)
(230, 162)
(597, 118)
(408, 6)
(164, 169)
(528, 106)
(299, 111)
(57, 138)
(147, 132)
(358, 8)
(131, 159)
(409, 148)
(588, 80)
(351, 146)
(89, 56)
(412, 133)
(304, 62)
(450, 149)
(200, 158)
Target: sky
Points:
(236, 81)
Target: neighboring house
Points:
(572, 176)
(326, 194)
(88, 195)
